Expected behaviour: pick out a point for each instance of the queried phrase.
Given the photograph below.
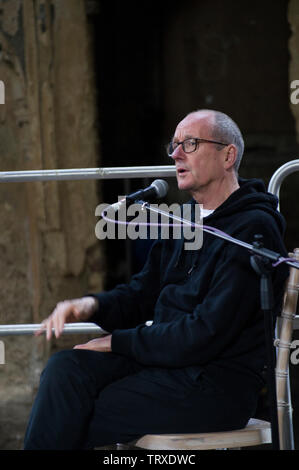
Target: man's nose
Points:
(178, 152)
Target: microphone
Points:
(157, 189)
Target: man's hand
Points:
(68, 311)
(102, 344)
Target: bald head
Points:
(206, 118)
(222, 128)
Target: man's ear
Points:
(230, 156)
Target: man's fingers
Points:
(48, 325)
(58, 317)
(102, 344)
(60, 320)
(64, 312)
(92, 345)
(44, 327)
(81, 346)
(40, 330)
(49, 329)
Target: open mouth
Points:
(181, 171)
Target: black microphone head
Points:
(161, 188)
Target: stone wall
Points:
(48, 248)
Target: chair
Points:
(257, 432)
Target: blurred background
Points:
(102, 84)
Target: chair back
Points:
(285, 324)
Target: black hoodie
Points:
(205, 304)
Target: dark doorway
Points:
(156, 61)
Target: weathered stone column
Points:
(48, 247)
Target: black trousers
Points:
(89, 399)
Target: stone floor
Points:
(14, 414)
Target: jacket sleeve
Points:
(128, 305)
(225, 313)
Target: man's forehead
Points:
(200, 120)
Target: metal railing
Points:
(274, 188)
(69, 328)
(280, 175)
(77, 174)
(122, 172)
(87, 173)
(111, 173)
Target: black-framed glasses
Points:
(189, 145)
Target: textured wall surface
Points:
(48, 248)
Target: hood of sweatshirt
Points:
(252, 195)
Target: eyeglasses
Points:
(189, 145)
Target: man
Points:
(198, 367)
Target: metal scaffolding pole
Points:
(87, 173)
(69, 328)
(280, 174)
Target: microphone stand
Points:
(262, 266)
(260, 260)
